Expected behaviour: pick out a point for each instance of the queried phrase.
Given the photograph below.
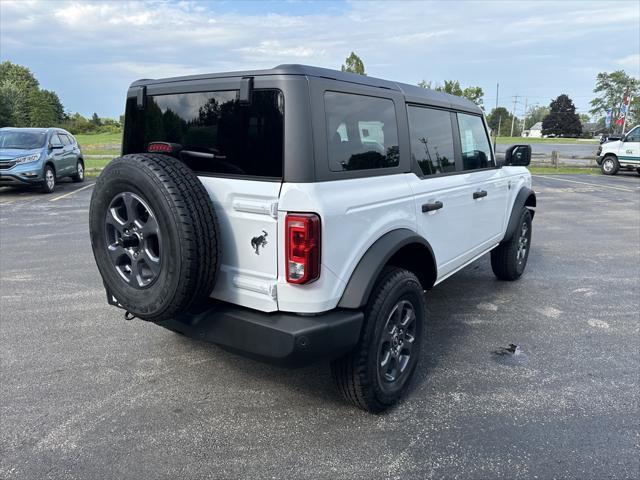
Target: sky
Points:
(89, 52)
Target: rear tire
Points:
(610, 165)
(509, 259)
(79, 176)
(49, 182)
(154, 235)
(376, 374)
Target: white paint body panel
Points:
(354, 214)
(245, 209)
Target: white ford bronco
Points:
(300, 213)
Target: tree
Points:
(453, 87)
(502, 117)
(609, 90)
(353, 64)
(19, 75)
(23, 103)
(562, 121)
(535, 114)
(95, 120)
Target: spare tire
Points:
(154, 235)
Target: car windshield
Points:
(22, 140)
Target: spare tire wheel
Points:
(154, 235)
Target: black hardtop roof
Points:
(411, 92)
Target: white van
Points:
(623, 153)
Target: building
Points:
(534, 132)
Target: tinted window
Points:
(431, 140)
(633, 135)
(476, 150)
(55, 140)
(216, 134)
(64, 138)
(362, 132)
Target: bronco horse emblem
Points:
(261, 241)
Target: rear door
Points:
(237, 151)
(440, 191)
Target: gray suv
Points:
(39, 156)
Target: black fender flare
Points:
(525, 198)
(356, 294)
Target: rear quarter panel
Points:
(354, 213)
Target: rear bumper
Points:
(283, 338)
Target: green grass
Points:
(526, 140)
(99, 139)
(100, 143)
(565, 170)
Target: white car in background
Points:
(623, 153)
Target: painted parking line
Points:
(71, 193)
(584, 183)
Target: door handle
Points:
(430, 207)
(479, 194)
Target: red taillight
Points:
(160, 147)
(302, 247)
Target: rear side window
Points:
(476, 150)
(213, 133)
(362, 132)
(431, 138)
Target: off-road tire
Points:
(356, 374)
(79, 175)
(49, 186)
(505, 263)
(187, 225)
(610, 160)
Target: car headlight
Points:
(28, 159)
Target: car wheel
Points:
(638, 170)
(376, 374)
(49, 182)
(610, 165)
(509, 259)
(153, 233)
(79, 176)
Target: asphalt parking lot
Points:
(86, 394)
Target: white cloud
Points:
(631, 62)
(476, 42)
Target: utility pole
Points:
(524, 119)
(495, 135)
(513, 113)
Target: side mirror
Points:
(55, 147)
(518, 156)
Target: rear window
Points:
(362, 132)
(212, 132)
